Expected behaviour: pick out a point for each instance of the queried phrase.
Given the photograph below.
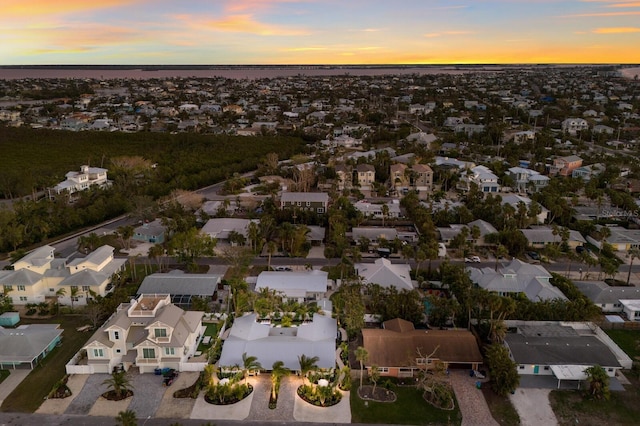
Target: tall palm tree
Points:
(278, 371)
(249, 363)
(211, 374)
(75, 291)
(271, 248)
(307, 365)
(60, 292)
(362, 356)
(119, 383)
(633, 253)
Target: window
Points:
(169, 351)
(546, 368)
(118, 351)
(148, 353)
(8, 287)
(21, 288)
(521, 367)
(298, 203)
(23, 298)
(85, 288)
(609, 370)
(320, 210)
(116, 335)
(98, 353)
(160, 332)
(383, 369)
(308, 203)
(52, 290)
(74, 288)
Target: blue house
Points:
(152, 232)
(9, 319)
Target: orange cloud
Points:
(242, 5)
(627, 4)
(36, 7)
(616, 30)
(247, 24)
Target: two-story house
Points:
(574, 125)
(149, 332)
(39, 277)
(344, 177)
(564, 166)
(482, 176)
(308, 201)
(527, 180)
(366, 176)
(82, 180)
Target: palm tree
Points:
(120, 383)
(598, 382)
(271, 248)
(60, 292)
(633, 253)
(278, 371)
(307, 365)
(127, 418)
(362, 356)
(249, 363)
(211, 374)
(75, 291)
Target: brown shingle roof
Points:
(388, 348)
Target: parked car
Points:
(472, 259)
(169, 377)
(534, 255)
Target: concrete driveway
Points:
(533, 407)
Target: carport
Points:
(569, 372)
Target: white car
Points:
(472, 259)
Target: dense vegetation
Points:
(142, 166)
(36, 159)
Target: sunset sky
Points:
(318, 31)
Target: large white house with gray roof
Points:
(273, 343)
(386, 274)
(317, 202)
(517, 278)
(149, 332)
(301, 286)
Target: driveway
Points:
(473, 406)
(533, 407)
(147, 393)
(91, 391)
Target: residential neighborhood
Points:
(440, 235)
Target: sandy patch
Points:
(104, 407)
(59, 406)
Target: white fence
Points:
(192, 366)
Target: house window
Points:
(74, 288)
(8, 287)
(21, 288)
(546, 368)
(320, 210)
(148, 353)
(85, 288)
(116, 335)
(298, 203)
(169, 351)
(98, 353)
(521, 367)
(609, 370)
(383, 369)
(308, 203)
(160, 332)
(52, 290)
(118, 351)
(23, 298)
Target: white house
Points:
(631, 308)
(82, 180)
(483, 177)
(561, 350)
(573, 125)
(527, 180)
(273, 343)
(376, 210)
(517, 278)
(149, 332)
(297, 285)
(608, 298)
(386, 274)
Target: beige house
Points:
(418, 177)
(39, 276)
(366, 174)
(149, 332)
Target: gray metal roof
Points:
(600, 292)
(180, 283)
(320, 197)
(26, 342)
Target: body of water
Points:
(250, 73)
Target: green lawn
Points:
(628, 340)
(211, 330)
(4, 374)
(572, 408)
(409, 409)
(28, 396)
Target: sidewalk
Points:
(473, 406)
(10, 383)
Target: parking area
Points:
(533, 407)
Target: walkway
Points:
(10, 383)
(473, 406)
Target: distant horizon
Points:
(346, 65)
